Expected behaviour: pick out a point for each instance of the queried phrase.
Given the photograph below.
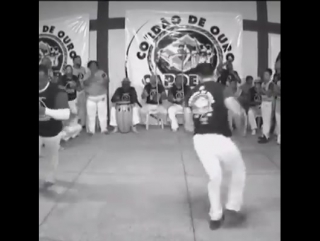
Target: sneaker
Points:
(263, 140)
(254, 132)
(175, 130)
(233, 218)
(115, 130)
(215, 224)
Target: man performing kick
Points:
(176, 96)
(125, 93)
(53, 109)
(206, 113)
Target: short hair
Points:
(205, 70)
(249, 77)
(269, 71)
(43, 68)
(77, 56)
(67, 66)
(92, 62)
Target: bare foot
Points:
(134, 129)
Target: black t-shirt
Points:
(255, 97)
(125, 95)
(152, 94)
(49, 127)
(210, 114)
(225, 74)
(179, 93)
(65, 81)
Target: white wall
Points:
(273, 8)
(274, 48)
(57, 9)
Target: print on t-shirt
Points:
(201, 105)
(125, 97)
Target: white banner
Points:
(62, 39)
(173, 43)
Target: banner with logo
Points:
(62, 39)
(175, 43)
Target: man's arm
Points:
(145, 92)
(270, 91)
(170, 95)
(134, 96)
(62, 110)
(116, 96)
(162, 92)
(78, 83)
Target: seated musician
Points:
(176, 96)
(255, 106)
(154, 93)
(125, 93)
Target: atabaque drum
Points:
(124, 116)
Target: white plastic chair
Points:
(153, 112)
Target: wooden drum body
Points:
(124, 116)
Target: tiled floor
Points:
(149, 187)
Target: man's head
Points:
(93, 66)
(153, 80)
(257, 85)
(68, 70)
(125, 83)
(77, 61)
(181, 46)
(205, 72)
(47, 62)
(249, 80)
(43, 76)
(267, 75)
(179, 81)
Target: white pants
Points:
(156, 108)
(252, 115)
(82, 113)
(52, 145)
(213, 151)
(73, 106)
(94, 104)
(135, 116)
(266, 112)
(172, 111)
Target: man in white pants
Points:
(176, 96)
(96, 84)
(53, 109)
(206, 113)
(267, 96)
(154, 93)
(255, 106)
(129, 94)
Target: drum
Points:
(124, 116)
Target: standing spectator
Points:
(255, 106)
(80, 71)
(266, 105)
(227, 73)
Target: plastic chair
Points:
(153, 112)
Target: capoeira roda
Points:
(206, 114)
(53, 109)
(176, 96)
(95, 85)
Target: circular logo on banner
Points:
(171, 49)
(57, 46)
(52, 47)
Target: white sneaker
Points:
(175, 130)
(254, 132)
